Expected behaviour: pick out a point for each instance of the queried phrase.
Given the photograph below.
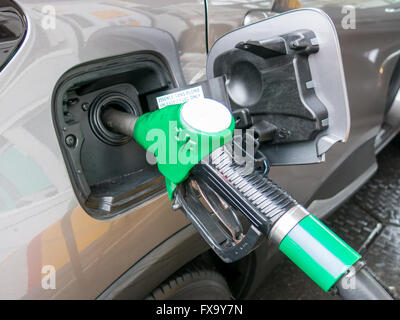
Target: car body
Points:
(127, 255)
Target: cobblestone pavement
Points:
(369, 222)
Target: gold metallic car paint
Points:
(87, 253)
(41, 223)
(40, 220)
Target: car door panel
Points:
(44, 230)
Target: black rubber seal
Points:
(103, 102)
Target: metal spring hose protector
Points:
(267, 201)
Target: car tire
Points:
(193, 284)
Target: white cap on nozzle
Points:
(206, 115)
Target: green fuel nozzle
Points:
(179, 136)
(188, 142)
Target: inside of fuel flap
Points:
(271, 89)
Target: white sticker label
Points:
(180, 97)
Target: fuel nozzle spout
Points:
(119, 121)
